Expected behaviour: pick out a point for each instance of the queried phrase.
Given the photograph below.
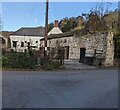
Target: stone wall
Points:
(97, 45)
(102, 43)
(93, 42)
(61, 42)
(109, 60)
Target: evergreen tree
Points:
(50, 26)
(67, 27)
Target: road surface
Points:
(62, 89)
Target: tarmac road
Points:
(62, 89)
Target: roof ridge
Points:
(31, 27)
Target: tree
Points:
(62, 23)
(50, 26)
(79, 22)
(95, 23)
(101, 9)
(67, 27)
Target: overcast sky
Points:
(32, 14)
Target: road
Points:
(62, 89)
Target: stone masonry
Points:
(97, 45)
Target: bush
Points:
(25, 60)
(3, 51)
(47, 64)
(18, 60)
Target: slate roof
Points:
(67, 34)
(36, 31)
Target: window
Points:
(14, 43)
(25, 41)
(22, 44)
(36, 41)
(65, 41)
(25, 50)
(56, 41)
(50, 42)
(28, 44)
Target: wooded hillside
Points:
(92, 21)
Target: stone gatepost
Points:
(109, 60)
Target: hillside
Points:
(111, 20)
(89, 21)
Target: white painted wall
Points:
(19, 39)
(55, 30)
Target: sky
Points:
(32, 14)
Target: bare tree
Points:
(101, 8)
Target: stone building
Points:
(90, 48)
(56, 29)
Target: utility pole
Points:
(46, 30)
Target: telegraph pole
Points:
(46, 30)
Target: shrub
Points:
(18, 60)
(25, 60)
(47, 64)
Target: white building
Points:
(26, 37)
(56, 29)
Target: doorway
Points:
(66, 54)
(82, 55)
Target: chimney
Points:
(56, 23)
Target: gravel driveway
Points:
(68, 89)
